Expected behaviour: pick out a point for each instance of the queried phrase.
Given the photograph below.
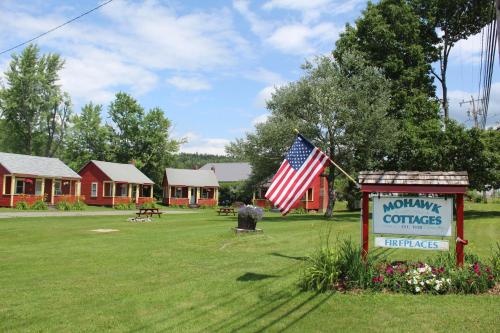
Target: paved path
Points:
(5, 215)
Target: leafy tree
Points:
(35, 110)
(391, 36)
(196, 160)
(341, 107)
(140, 137)
(88, 139)
(455, 20)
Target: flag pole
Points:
(337, 166)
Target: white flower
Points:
(448, 280)
(437, 286)
(422, 283)
(417, 289)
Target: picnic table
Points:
(226, 211)
(148, 212)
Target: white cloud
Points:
(263, 96)
(260, 119)
(189, 83)
(303, 39)
(127, 43)
(297, 37)
(198, 144)
(265, 76)
(467, 50)
(460, 113)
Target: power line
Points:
(55, 28)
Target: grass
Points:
(190, 273)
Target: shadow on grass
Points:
(249, 276)
(276, 254)
(479, 214)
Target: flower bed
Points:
(341, 268)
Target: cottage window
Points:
(93, 190)
(58, 187)
(38, 187)
(146, 191)
(310, 194)
(124, 190)
(206, 193)
(178, 192)
(108, 189)
(19, 186)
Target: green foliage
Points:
(341, 106)
(299, 211)
(232, 192)
(391, 36)
(455, 20)
(88, 139)
(495, 260)
(125, 206)
(39, 205)
(196, 161)
(341, 268)
(79, 205)
(336, 268)
(150, 205)
(35, 110)
(64, 205)
(22, 205)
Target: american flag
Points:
(302, 164)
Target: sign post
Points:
(419, 214)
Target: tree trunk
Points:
(444, 87)
(331, 193)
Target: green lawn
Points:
(190, 273)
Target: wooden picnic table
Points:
(148, 212)
(226, 211)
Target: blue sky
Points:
(210, 65)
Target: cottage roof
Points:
(187, 177)
(36, 166)
(120, 172)
(230, 172)
(453, 178)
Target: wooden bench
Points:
(226, 211)
(148, 212)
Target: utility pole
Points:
(474, 111)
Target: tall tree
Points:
(35, 110)
(88, 139)
(341, 107)
(451, 21)
(391, 36)
(141, 137)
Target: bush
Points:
(337, 268)
(341, 268)
(22, 205)
(63, 205)
(299, 211)
(79, 205)
(40, 205)
(150, 205)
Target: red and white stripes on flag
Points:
(302, 164)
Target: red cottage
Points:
(190, 187)
(33, 178)
(108, 184)
(315, 198)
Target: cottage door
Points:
(47, 195)
(193, 196)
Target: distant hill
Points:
(195, 161)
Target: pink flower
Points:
(389, 270)
(476, 268)
(378, 279)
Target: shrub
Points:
(79, 205)
(63, 205)
(22, 205)
(299, 211)
(150, 205)
(40, 205)
(341, 268)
